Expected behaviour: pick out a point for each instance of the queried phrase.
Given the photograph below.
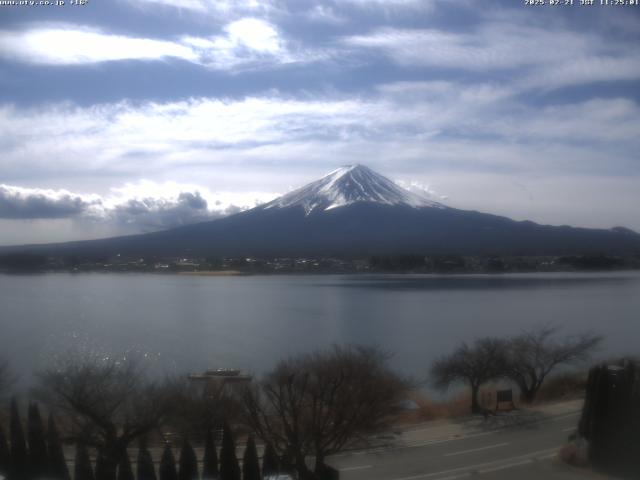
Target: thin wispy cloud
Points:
(584, 58)
(74, 45)
(217, 7)
(131, 138)
(248, 41)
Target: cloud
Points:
(25, 203)
(421, 188)
(154, 214)
(244, 42)
(390, 5)
(319, 10)
(147, 205)
(325, 14)
(248, 42)
(137, 207)
(75, 45)
(448, 124)
(506, 46)
(226, 8)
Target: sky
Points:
(127, 116)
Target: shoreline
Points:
(241, 273)
(210, 273)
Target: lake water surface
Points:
(182, 323)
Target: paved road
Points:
(520, 450)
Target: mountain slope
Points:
(346, 186)
(355, 211)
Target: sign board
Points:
(505, 396)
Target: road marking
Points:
(359, 467)
(464, 471)
(456, 477)
(562, 417)
(496, 469)
(388, 448)
(385, 449)
(506, 465)
(446, 440)
(570, 429)
(462, 452)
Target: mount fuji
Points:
(346, 186)
(356, 211)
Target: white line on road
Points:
(462, 452)
(437, 441)
(570, 429)
(517, 464)
(496, 463)
(528, 461)
(562, 417)
(359, 467)
(412, 445)
(444, 440)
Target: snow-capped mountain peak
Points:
(347, 185)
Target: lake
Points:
(182, 323)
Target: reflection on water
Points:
(182, 323)
(503, 282)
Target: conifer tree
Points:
(125, 472)
(57, 466)
(37, 443)
(168, 465)
(270, 463)
(229, 467)
(250, 463)
(4, 453)
(82, 470)
(210, 460)
(145, 469)
(19, 458)
(101, 472)
(287, 462)
(188, 462)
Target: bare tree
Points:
(194, 412)
(474, 364)
(535, 353)
(320, 403)
(108, 403)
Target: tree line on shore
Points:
(306, 409)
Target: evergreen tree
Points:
(270, 463)
(250, 462)
(145, 470)
(210, 468)
(229, 467)
(101, 468)
(19, 458)
(168, 465)
(188, 462)
(125, 472)
(37, 442)
(287, 462)
(83, 470)
(57, 465)
(4, 453)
